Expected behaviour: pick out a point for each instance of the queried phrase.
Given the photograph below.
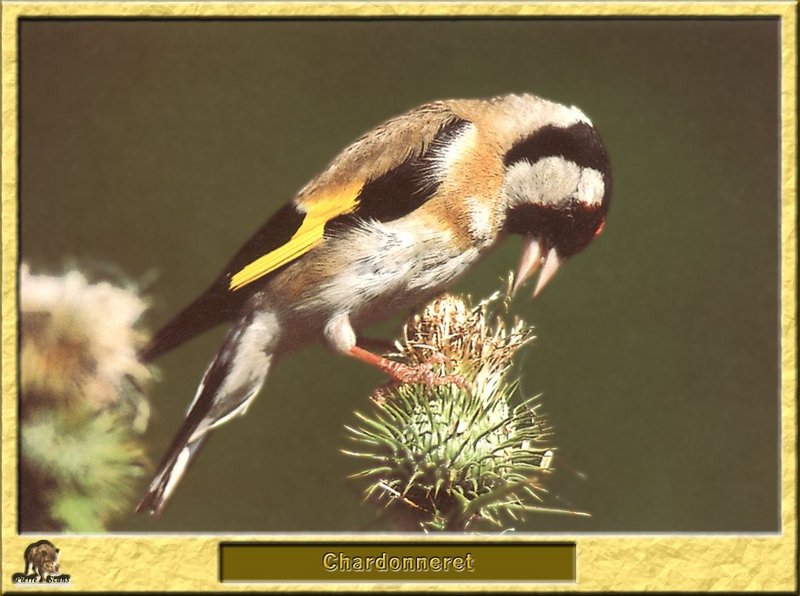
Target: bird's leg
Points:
(403, 373)
(340, 336)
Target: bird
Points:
(389, 224)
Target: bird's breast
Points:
(375, 270)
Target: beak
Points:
(551, 264)
(528, 264)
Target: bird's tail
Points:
(172, 469)
(207, 311)
(229, 386)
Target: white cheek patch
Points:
(591, 187)
(549, 181)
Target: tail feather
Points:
(171, 471)
(230, 384)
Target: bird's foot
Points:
(404, 373)
(423, 374)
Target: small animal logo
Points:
(41, 565)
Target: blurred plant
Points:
(82, 406)
(456, 458)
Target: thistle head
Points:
(445, 457)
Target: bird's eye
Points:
(600, 228)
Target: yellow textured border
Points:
(696, 563)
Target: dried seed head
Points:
(476, 342)
(79, 341)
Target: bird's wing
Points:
(309, 222)
(386, 174)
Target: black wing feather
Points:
(218, 304)
(403, 189)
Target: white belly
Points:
(387, 268)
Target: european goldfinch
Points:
(393, 221)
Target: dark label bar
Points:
(371, 562)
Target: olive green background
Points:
(150, 150)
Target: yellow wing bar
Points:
(320, 209)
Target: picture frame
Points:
(604, 560)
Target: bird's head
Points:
(558, 187)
